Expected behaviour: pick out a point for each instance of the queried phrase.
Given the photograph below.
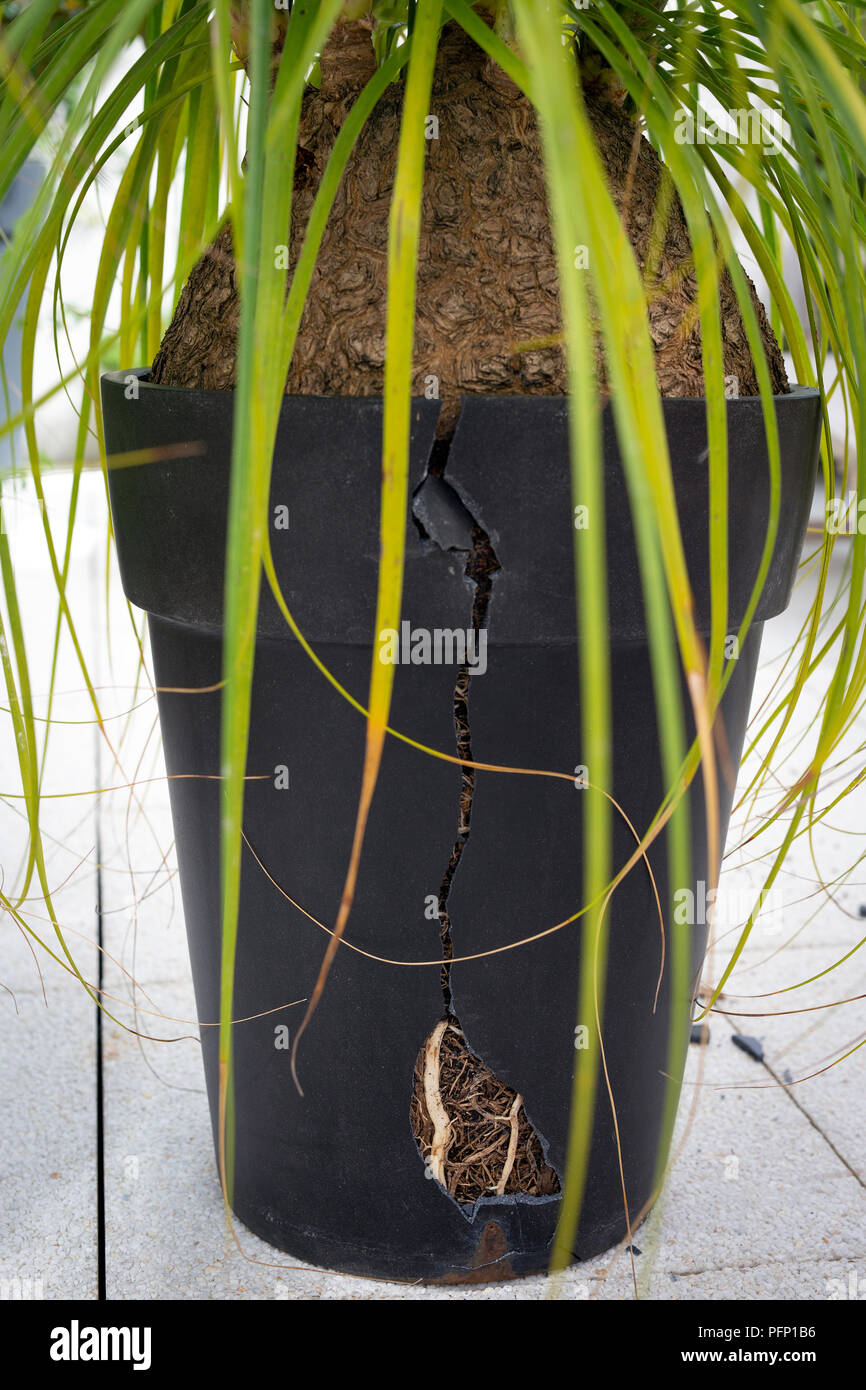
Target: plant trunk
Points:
(487, 305)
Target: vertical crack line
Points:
(100, 1089)
(99, 619)
(481, 565)
(471, 1129)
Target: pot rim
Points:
(170, 512)
(796, 391)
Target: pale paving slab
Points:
(788, 1280)
(48, 1159)
(807, 1049)
(812, 921)
(756, 1182)
(48, 1166)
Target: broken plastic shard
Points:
(753, 1046)
(443, 516)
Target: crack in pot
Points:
(466, 1122)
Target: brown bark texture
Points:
(487, 315)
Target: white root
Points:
(512, 1146)
(435, 1109)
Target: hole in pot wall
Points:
(471, 1129)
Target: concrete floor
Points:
(766, 1198)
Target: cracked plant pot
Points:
(337, 1177)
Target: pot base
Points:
(488, 1261)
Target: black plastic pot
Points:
(336, 1178)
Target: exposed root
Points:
(491, 1148)
(441, 1140)
(512, 1144)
